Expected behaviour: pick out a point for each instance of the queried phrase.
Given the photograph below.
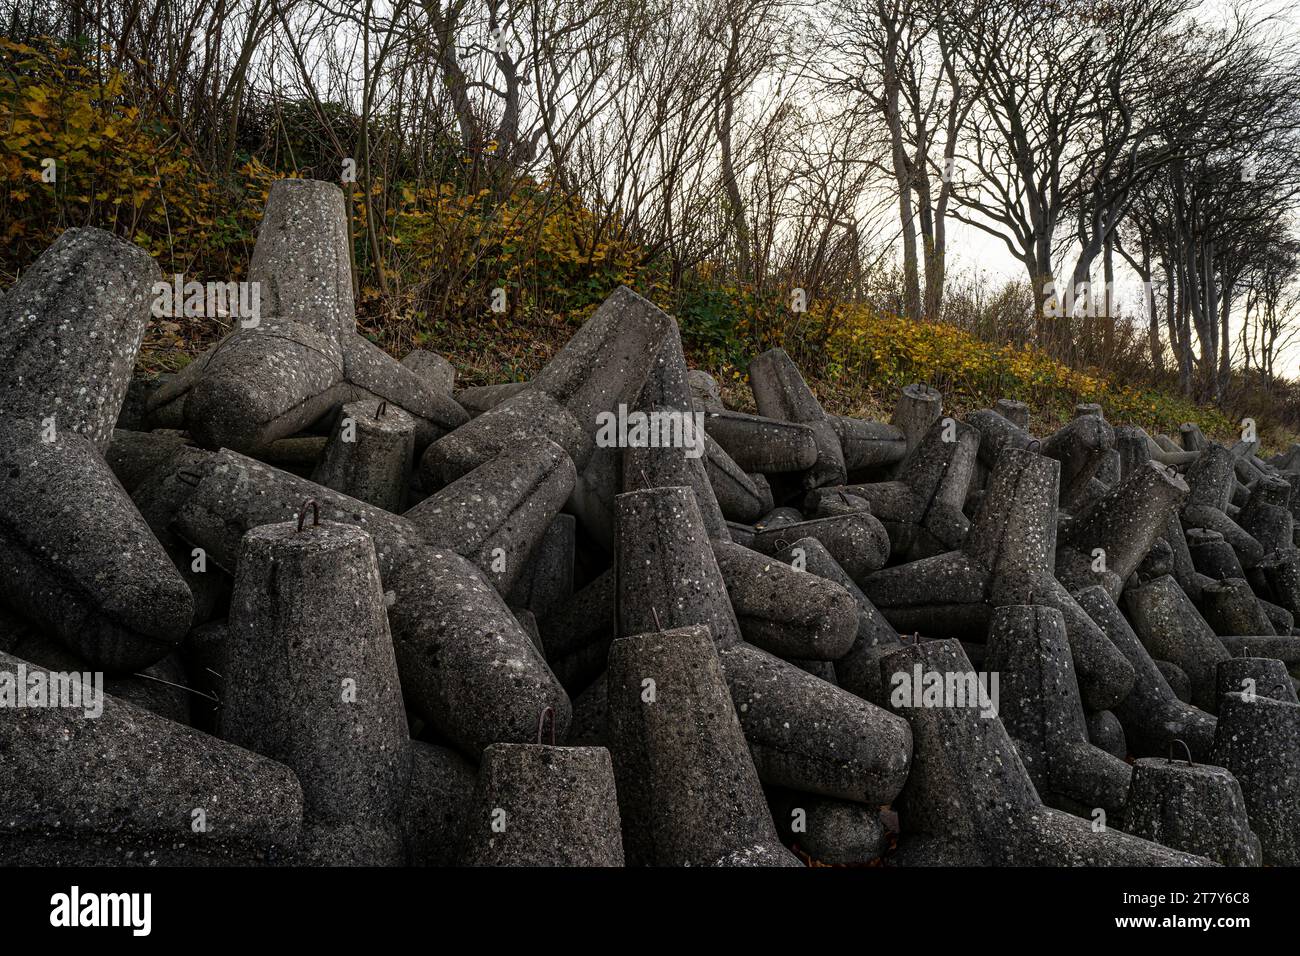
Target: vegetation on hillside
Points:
(451, 238)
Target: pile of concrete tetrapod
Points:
(302, 603)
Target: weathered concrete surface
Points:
(1008, 558)
(79, 558)
(1194, 807)
(780, 392)
(278, 372)
(128, 786)
(1152, 713)
(544, 806)
(687, 790)
(370, 454)
(922, 509)
(1258, 740)
(310, 679)
(1170, 628)
(465, 663)
(73, 324)
(603, 366)
(1106, 542)
(1039, 706)
(809, 735)
(969, 801)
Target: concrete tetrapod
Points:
(922, 509)
(311, 681)
(1039, 706)
(77, 557)
(1194, 807)
(918, 407)
(830, 831)
(705, 393)
(809, 735)
(602, 367)
(1017, 413)
(1282, 573)
(780, 392)
(1152, 714)
(1258, 676)
(667, 392)
(804, 733)
(370, 454)
(795, 616)
(1081, 446)
(128, 786)
(438, 792)
(868, 444)
(578, 631)
(997, 432)
(538, 805)
(465, 663)
(1258, 740)
(497, 514)
(688, 793)
(1108, 539)
(968, 800)
(1171, 629)
(1211, 480)
(1212, 555)
(743, 594)
(301, 357)
(1230, 607)
(1007, 558)
(858, 669)
(546, 580)
(431, 367)
(857, 539)
(1267, 515)
(765, 445)
(740, 495)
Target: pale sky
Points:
(972, 249)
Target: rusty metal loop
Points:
(383, 407)
(1190, 761)
(315, 513)
(541, 724)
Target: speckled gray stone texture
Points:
(1170, 628)
(922, 509)
(969, 801)
(538, 805)
(1152, 714)
(370, 454)
(78, 558)
(766, 445)
(124, 787)
(1262, 676)
(465, 663)
(1124, 524)
(809, 735)
(73, 324)
(1258, 740)
(667, 574)
(1194, 807)
(497, 514)
(1039, 706)
(780, 392)
(688, 792)
(309, 675)
(784, 610)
